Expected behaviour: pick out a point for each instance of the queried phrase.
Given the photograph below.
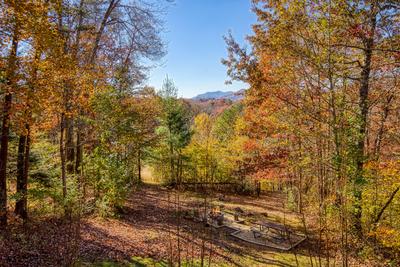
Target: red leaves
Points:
(360, 31)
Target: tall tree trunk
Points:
(67, 118)
(21, 206)
(139, 166)
(379, 136)
(171, 154)
(111, 7)
(26, 173)
(180, 170)
(79, 149)
(21, 184)
(69, 127)
(391, 197)
(62, 156)
(69, 138)
(63, 116)
(79, 152)
(363, 106)
(91, 60)
(11, 69)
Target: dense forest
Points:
(318, 125)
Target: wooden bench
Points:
(256, 233)
(282, 231)
(216, 217)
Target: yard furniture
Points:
(220, 219)
(199, 216)
(236, 217)
(282, 231)
(256, 232)
(238, 212)
(216, 217)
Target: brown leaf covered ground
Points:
(147, 228)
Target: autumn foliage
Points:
(319, 121)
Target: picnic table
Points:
(216, 217)
(265, 227)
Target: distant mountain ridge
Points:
(234, 96)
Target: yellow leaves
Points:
(240, 125)
(202, 123)
(387, 172)
(212, 149)
(388, 236)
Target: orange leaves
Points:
(389, 236)
(251, 145)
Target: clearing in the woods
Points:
(108, 157)
(145, 227)
(146, 232)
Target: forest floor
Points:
(146, 232)
(149, 223)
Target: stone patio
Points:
(242, 231)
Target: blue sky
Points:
(194, 31)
